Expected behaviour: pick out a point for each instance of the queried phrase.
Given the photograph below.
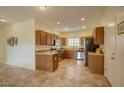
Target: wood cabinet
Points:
(96, 63)
(47, 62)
(49, 41)
(38, 37)
(63, 40)
(43, 38)
(55, 61)
(81, 40)
(52, 39)
(99, 35)
(55, 37)
(70, 54)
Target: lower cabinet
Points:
(47, 62)
(96, 63)
(70, 54)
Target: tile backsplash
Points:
(42, 47)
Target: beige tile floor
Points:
(70, 73)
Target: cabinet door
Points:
(55, 62)
(63, 40)
(96, 64)
(70, 54)
(55, 37)
(37, 37)
(99, 35)
(81, 40)
(52, 38)
(73, 54)
(66, 54)
(43, 38)
(48, 39)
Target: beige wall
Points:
(77, 34)
(46, 30)
(23, 54)
(120, 49)
(2, 49)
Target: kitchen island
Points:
(46, 60)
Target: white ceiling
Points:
(68, 16)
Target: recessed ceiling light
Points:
(42, 7)
(82, 19)
(58, 23)
(66, 29)
(3, 20)
(83, 27)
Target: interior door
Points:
(110, 36)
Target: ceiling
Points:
(68, 16)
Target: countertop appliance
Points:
(89, 46)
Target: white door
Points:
(110, 64)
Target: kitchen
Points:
(79, 47)
(60, 48)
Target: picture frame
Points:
(15, 41)
(12, 41)
(121, 28)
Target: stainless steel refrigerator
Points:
(89, 46)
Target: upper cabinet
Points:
(98, 35)
(38, 37)
(43, 38)
(63, 40)
(53, 39)
(49, 41)
(81, 40)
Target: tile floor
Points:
(70, 73)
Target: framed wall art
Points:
(121, 27)
(12, 41)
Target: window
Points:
(73, 42)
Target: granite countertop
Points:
(94, 53)
(46, 52)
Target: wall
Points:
(116, 14)
(76, 34)
(120, 49)
(22, 55)
(2, 49)
(44, 29)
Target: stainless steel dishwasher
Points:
(80, 55)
